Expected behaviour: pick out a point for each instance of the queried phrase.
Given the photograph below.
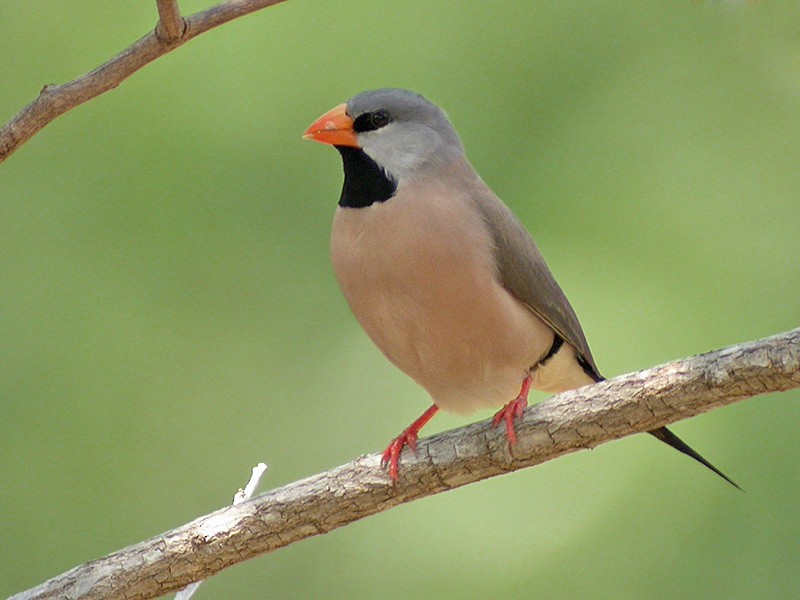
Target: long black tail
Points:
(662, 433)
(669, 438)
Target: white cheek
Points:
(398, 152)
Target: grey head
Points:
(403, 132)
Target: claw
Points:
(513, 410)
(391, 456)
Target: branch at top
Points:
(170, 33)
(170, 24)
(568, 422)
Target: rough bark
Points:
(579, 419)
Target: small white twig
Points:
(241, 496)
(188, 591)
(251, 486)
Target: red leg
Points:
(391, 456)
(513, 410)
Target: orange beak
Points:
(334, 128)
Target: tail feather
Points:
(669, 438)
(662, 433)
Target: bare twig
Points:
(247, 492)
(170, 23)
(241, 496)
(568, 422)
(55, 100)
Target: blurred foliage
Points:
(168, 315)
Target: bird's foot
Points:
(513, 410)
(391, 456)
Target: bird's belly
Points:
(437, 311)
(467, 355)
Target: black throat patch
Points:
(364, 181)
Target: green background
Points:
(169, 317)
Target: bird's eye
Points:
(380, 118)
(372, 120)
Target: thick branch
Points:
(568, 422)
(170, 33)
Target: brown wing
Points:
(525, 274)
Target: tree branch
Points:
(571, 421)
(171, 32)
(241, 496)
(170, 23)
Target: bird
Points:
(441, 274)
